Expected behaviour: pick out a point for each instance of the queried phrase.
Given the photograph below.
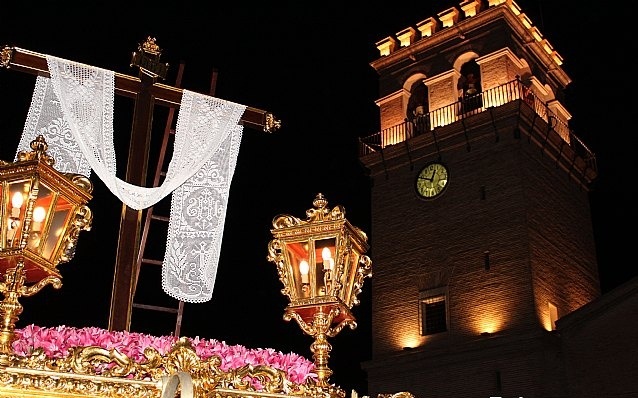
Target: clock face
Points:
(432, 180)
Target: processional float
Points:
(320, 261)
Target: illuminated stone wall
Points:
(510, 241)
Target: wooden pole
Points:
(128, 244)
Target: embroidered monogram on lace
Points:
(73, 110)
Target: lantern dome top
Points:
(320, 212)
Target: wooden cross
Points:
(147, 92)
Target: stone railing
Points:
(470, 106)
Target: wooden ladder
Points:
(144, 315)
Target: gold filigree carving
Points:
(38, 151)
(5, 56)
(110, 373)
(271, 125)
(275, 255)
(147, 58)
(320, 212)
(150, 46)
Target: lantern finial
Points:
(320, 201)
(38, 151)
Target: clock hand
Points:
(433, 174)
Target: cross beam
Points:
(130, 86)
(147, 92)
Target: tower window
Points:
(433, 312)
(469, 85)
(416, 111)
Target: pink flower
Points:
(56, 343)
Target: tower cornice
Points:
(509, 12)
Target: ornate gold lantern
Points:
(42, 212)
(322, 265)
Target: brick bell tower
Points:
(481, 225)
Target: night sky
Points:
(308, 64)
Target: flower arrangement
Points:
(57, 342)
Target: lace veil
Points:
(73, 110)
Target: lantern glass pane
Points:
(351, 267)
(15, 202)
(56, 231)
(41, 208)
(326, 266)
(297, 253)
(44, 199)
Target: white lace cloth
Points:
(73, 110)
